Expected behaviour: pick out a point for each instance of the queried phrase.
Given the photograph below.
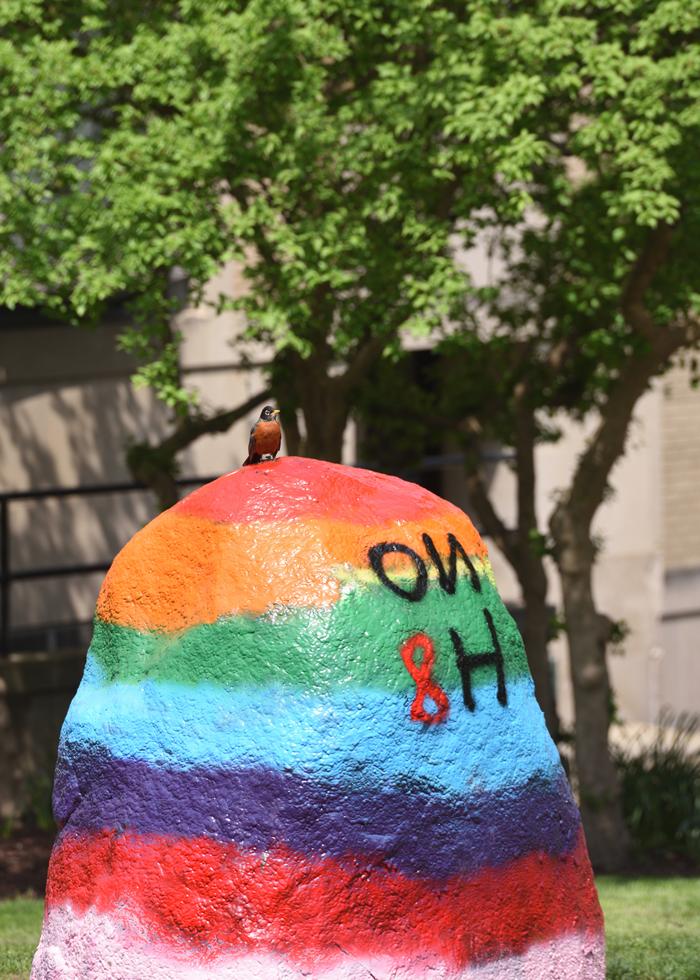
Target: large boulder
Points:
(306, 744)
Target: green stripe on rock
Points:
(353, 643)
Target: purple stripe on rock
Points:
(421, 835)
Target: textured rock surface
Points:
(307, 744)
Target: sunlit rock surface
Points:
(307, 745)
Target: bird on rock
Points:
(265, 437)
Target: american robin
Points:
(265, 437)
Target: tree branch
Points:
(525, 460)
(155, 465)
(192, 427)
(365, 356)
(607, 443)
(490, 520)
(649, 261)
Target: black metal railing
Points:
(8, 576)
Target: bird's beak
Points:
(276, 412)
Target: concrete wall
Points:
(642, 528)
(67, 413)
(681, 468)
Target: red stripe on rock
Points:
(221, 898)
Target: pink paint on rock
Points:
(294, 487)
(120, 949)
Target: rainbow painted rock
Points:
(306, 745)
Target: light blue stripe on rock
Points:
(357, 736)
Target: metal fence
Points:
(8, 576)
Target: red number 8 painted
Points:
(425, 685)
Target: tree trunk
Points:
(323, 441)
(588, 634)
(574, 552)
(536, 628)
(325, 398)
(521, 546)
(528, 557)
(325, 418)
(532, 579)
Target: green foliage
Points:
(341, 152)
(38, 810)
(396, 410)
(661, 791)
(620, 124)
(329, 147)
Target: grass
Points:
(20, 924)
(653, 929)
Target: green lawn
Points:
(20, 924)
(653, 929)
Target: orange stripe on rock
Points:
(183, 570)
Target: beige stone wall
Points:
(681, 470)
(67, 412)
(628, 576)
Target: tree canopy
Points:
(589, 297)
(341, 152)
(329, 147)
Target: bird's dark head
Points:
(269, 414)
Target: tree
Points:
(328, 147)
(346, 154)
(597, 292)
(494, 388)
(469, 395)
(594, 294)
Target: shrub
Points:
(661, 790)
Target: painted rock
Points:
(306, 744)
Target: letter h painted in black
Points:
(469, 662)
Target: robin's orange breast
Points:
(268, 437)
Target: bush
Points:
(661, 791)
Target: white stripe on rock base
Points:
(95, 946)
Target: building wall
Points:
(628, 576)
(676, 673)
(67, 413)
(224, 370)
(681, 468)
